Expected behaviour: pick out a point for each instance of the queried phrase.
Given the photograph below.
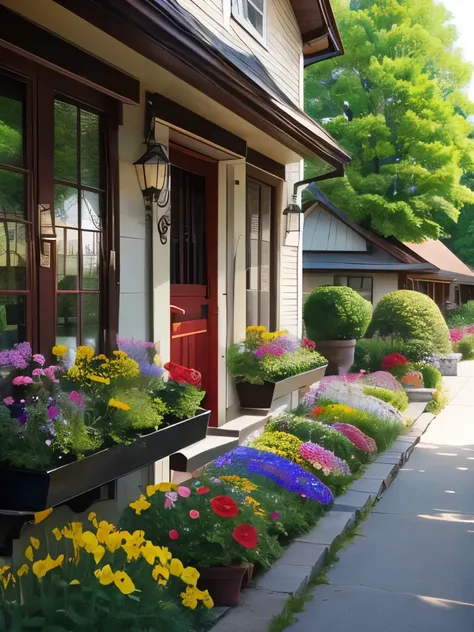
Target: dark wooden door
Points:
(193, 294)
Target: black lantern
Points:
(293, 213)
(153, 176)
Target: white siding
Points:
(383, 282)
(324, 232)
(281, 55)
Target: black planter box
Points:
(261, 396)
(35, 490)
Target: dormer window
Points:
(251, 15)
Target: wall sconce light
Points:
(153, 171)
(47, 233)
(293, 214)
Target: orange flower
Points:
(316, 412)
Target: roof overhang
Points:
(171, 37)
(311, 263)
(321, 38)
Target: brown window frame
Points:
(43, 86)
(272, 315)
(356, 276)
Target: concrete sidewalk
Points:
(412, 569)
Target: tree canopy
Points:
(409, 136)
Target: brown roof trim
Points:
(157, 31)
(256, 159)
(49, 49)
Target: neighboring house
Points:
(83, 86)
(337, 251)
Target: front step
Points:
(201, 453)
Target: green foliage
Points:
(410, 138)
(181, 400)
(370, 352)
(432, 378)
(441, 399)
(398, 399)
(382, 431)
(336, 313)
(466, 347)
(462, 316)
(321, 434)
(412, 316)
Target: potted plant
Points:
(65, 432)
(334, 317)
(218, 530)
(268, 365)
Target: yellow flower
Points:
(60, 350)
(98, 553)
(98, 378)
(255, 506)
(29, 553)
(114, 541)
(57, 533)
(140, 505)
(6, 580)
(157, 360)
(3, 570)
(42, 515)
(92, 517)
(84, 353)
(164, 555)
(190, 597)
(124, 583)
(35, 543)
(74, 582)
(105, 575)
(160, 487)
(23, 570)
(102, 357)
(89, 541)
(207, 600)
(190, 576)
(160, 574)
(41, 567)
(150, 552)
(104, 530)
(240, 482)
(115, 403)
(176, 567)
(73, 532)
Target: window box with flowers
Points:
(67, 431)
(268, 365)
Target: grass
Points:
(295, 605)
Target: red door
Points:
(193, 294)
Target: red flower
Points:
(308, 344)
(393, 360)
(203, 490)
(245, 535)
(224, 506)
(319, 410)
(174, 535)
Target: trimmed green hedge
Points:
(398, 399)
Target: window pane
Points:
(264, 318)
(90, 152)
(67, 257)
(90, 260)
(252, 308)
(258, 4)
(255, 18)
(12, 193)
(265, 212)
(12, 320)
(66, 206)
(12, 256)
(66, 329)
(90, 210)
(91, 319)
(65, 141)
(11, 122)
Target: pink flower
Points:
(8, 401)
(184, 492)
(357, 437)
(275, 515)
(174, 535)
(76, 398)
(37, 372)
(324, 460)
(48, 442)
(22, 380)
(194, 514)
(53, 412)
(39, 359)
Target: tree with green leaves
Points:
(395, 102)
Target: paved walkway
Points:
(412, 569)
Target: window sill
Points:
(249, 29)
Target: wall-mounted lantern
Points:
(293, 214)
(153, 172)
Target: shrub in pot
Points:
(334, 317)
(411, 316)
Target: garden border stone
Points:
(306, 556)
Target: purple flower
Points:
(8, 401)
(23, 417)
(48, 442)
(39, 359)
(151, 370)
(53, 412)
(18, 357)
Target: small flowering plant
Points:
(126, 581)
(205, 524)
(271, 356)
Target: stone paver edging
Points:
(306, 556)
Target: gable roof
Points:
(437, 253)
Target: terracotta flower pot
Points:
(224, 583)
(339, 354)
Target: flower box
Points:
(29, 490)
(261, 396)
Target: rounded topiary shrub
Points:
(336, 313)
(411, 316)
